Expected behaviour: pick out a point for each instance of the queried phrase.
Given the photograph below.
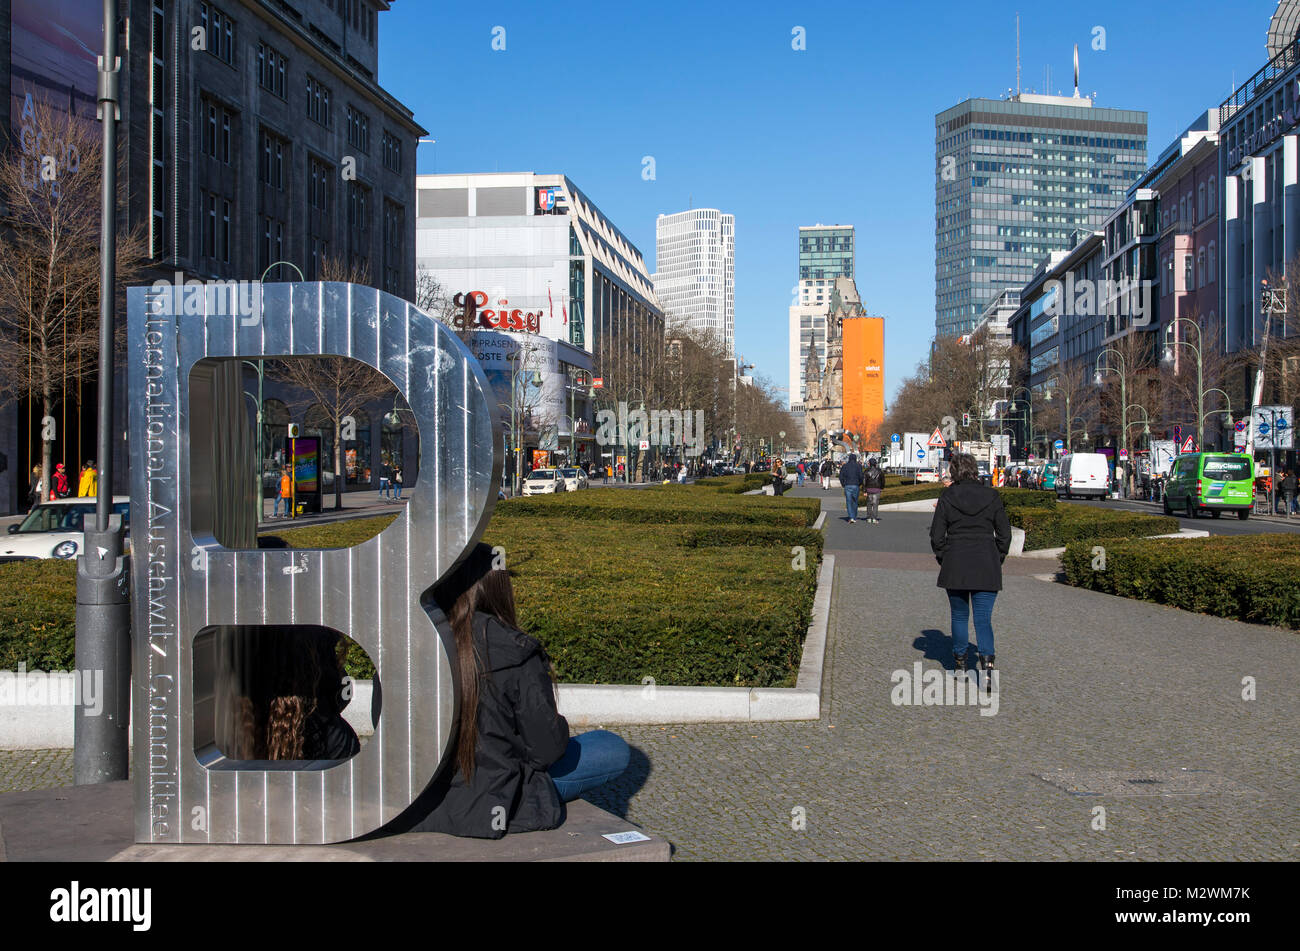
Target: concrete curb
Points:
(47, 723)
(821, 521)
(1057, 552)
(916, 505)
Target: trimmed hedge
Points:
(680, 584)
(737, 484)
(38, 614)
(1245, 578)
(1027, 498)
(665, 505)
(1056, 527)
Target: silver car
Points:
(574, 479)
(544, 482)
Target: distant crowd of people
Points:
(60, 488)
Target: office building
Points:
(270, 141)
(555, 278)
(695, 273)
(1017, 179)
(826, 252)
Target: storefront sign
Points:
(473, 314)
(1267, 133)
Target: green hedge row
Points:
(708, 592)
(665, 505)
(1246, 578)
(1056, 527)
(737, 484)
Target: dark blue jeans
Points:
(591, 760)
(851, 498)
(960, 603)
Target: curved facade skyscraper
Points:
(695, 272)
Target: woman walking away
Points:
(514, 763)
(872, 485)
(970, 536)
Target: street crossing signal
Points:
(965, 419)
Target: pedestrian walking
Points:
(397, 482)
(778, 479)
(61, 481)
(873, 483)
(88, 483)
(851, 481)
(825, 472)
(36, 491)
(799, 472)
(1288, 491)
(285, 496)
(970, 536)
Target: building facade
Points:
(826, 252)
(252, 133)
(695, 272)
(551, 271)
(1017, 179)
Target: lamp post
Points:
(574, 380)
(1029, 411)
(516, 413)
(1123, 394)
(1168, 360)
(640, 403)
(258, 368)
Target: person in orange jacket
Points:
(285, 496)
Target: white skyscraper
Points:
(695, 271)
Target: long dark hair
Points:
(290, 674)
(475, 586)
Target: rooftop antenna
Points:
(1017, 53)
(1076, 70)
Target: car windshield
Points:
(1227, 468)
(56, 518)
(542, 474)
(569, 473)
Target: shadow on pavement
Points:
(615, 796)
(935, 645)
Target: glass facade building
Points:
(1017, 179)
(825, 253)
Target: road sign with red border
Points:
(936, 439)
(1189, 444)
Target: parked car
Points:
(574, 479)
(544, 482)
(927, 475)
(1047, 477)
(54, 529)
(1083, 474)
(1214, 482)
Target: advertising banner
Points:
(306, 465)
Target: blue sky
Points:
(841, 132)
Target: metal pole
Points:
(101, 743)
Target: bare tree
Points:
(49, 262)
(339, 385)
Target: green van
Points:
(1212, 481)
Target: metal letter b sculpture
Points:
(186, 584)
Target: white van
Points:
(1083, 474)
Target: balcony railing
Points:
(1261, 82)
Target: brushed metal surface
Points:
(184, 580)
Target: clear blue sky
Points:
(842, 132)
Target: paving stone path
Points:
(1103, 702)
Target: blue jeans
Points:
(960, 603)
(851, 497)
(384, 489)
(397, 487)
(591, 760)
(275, 508)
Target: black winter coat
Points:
(970, 536)
(874, 479)
(520, 734)
(851, 473)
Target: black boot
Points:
(985, 662)
(959, 661)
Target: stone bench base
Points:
(94, 824)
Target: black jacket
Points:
(874, 479)
(1288, 485)
(851, 473)
(970, 535)
(520, 734)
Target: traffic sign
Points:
(1189, 444)
(645, 444)
(1239, 425)
(936, 439)
(894, 438)
(1123, 453)
(920, 453)
(1059, 444)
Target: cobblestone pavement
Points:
(1088, 682)
(1096, 693)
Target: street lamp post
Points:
(1168, 359)
(516, 413)
(1029, 412)
(1123, 398)
(574, 379)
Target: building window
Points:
(1212, 263)
(318, 102)
(394, 241)
(358, 130)
(271, 170)
(219, 33)
(209, 225)
(225, 231)
(1200, 201)
(158, 244)
(1200, 268)
(271, 67)
(392, 147)
(272, 242)
(319, 175)
(1188, 283)
(217, 122)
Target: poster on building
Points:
(1163, 452)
